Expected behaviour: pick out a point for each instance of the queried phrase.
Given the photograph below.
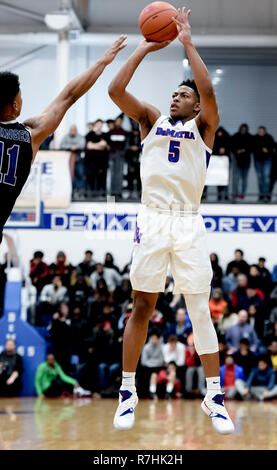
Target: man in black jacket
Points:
(241, 147)
(10, 371)
(263, 145)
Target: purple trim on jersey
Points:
(208, 156)
(137, 235)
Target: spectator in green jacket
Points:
(51, 381)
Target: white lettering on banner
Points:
(76, 221)
(11, 317)
(54, 221)
(9, 336)
(21, 350)
(264, 227)
(31, 350)
(210, 224)
(226, 224)
(95, 220)
(114, 224)
(245, 225)
(11, 328)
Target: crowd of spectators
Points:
(82, 311)
(116, 152)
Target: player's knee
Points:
(143, 306)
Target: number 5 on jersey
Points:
(174, 151)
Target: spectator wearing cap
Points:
(261, 381)
(217, 304)
(239, 262)
(241, 330)
(232, 378)
(245, 358)
(38, 271)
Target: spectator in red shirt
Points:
(38, 271)
(194, 369)
(232, 378)
(217, 304)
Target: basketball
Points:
(156, 24)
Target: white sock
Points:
(153, 388)
(213, 384)
(169, 388)
(128, 380)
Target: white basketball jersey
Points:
(173, 165)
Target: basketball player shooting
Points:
(170, 231)
(19, 143)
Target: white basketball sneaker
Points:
(124, 417)
(213, 406)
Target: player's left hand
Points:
(183, 26)
(113, 50)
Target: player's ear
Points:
(197, 107)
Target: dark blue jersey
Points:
(15, 164)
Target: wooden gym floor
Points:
(86, 424)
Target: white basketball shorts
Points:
(165, 241)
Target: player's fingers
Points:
(188, 14)
(122, 47)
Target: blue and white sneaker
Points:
(213, 406)
(124, 417)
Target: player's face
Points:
(184, 103)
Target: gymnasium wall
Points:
(245, 93)
(253, 228)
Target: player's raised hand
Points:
(113, 50)
(183, 25)
(149, 46)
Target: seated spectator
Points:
(111, 277)
(245, 358)
(123, 294)
(38, 270)
(217, 304)
(50, 298)
(261, 381)
(28, 301)
(87, 373)
(252, 297)
(230, 282)
(228, 319)
(62, 269)
(222, 349)
(51, 381)
(87, 266)
(109, 262)
(80, 330)
(232, 378)
(181, 327)
(272, 349)
(11, 369)
(256, 319)
(75, 143)
(217, 271)
(168, 378)
(265, 274)
(194, 370)
(102, 296)
(271, 334)
(239, 262)
(156, 321)
(241, 330)
(174, 351)
(254, 277)
(152, 361)
(80, 292)
(240, 291)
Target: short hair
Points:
(240, 251)
(98, 120)
(172, 339)
(262, 259)
(110, 121)
(10, 86)
(191, 84)
(88, 252)
(245, 341)
(38, 254)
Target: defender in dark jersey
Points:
(19, 143)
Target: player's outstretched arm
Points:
(142, 112)
(45, 124)
(208, 117)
